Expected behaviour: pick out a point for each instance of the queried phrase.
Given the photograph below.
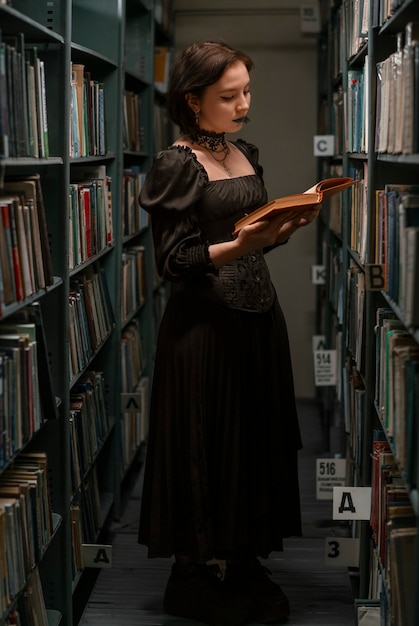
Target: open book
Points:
(296, 203)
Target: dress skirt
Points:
(221, 468)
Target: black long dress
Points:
(221, 468)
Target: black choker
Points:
(209, 139)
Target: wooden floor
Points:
(130, 593)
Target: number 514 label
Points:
(325, 367)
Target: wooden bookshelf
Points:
(79, 302)
(366, 101)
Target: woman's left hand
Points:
(289, 228)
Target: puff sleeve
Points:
(170, 192)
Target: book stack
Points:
(133, 286)
(396, 392)
(132, 381)
(25, 257)
(91, 317)
(134, 218)
(393, 523)
(26, 524)
(87, 114)
(26, 399)
(23, 99)
(91, 227)
(132, 122)
(89, 423)
(397, 128)
(397, 246)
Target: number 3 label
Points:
(341, 551)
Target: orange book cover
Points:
(296, 203)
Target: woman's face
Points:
(223, 106)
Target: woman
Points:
(221, 472)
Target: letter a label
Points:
(351, 503)
(96, 555)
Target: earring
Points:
(197, 118)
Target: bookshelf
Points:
(78, 294)
(368, 312)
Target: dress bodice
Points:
(190, 212)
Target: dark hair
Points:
(197, 67)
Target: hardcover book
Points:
(297, 203)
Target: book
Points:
(296, 203)
(31, 189)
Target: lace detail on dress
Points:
(246, 284)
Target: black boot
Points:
(199, 593)
(252, 578)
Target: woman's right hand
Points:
(261, 234)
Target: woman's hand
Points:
(291, 226)
(277, 230)
(260, 235)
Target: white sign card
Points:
(330, 473)
(341, 551)
(325, 368)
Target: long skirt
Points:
(221, 469)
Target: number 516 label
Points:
(329, 473)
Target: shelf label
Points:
(96, 555)
(310, 19)
(341, 551)
(325, 368)
(318, 275)
(324, 145)
(318, 342)
(374, 277)
(329, 473)
(130, 402)
(351, 503)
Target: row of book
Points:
(91, 317)
(135, 425)
(359, 212)
(356, 18)
(26, 399)
(397, 121)
(162, 57)
(87, 517)
(161, 126)
(132, 135)
(132, 355)
(356, 110)
(355, 307)
(354, 410)
(90, 213)
(25, 256)
(134, 217)
(393, 525)
(90, 423)
(135, 421)
(87, 114)
(397, 246)
(396, 389)
(26, 522)
(30, 607)
(383, 10)
(23, 99)
(133, 284)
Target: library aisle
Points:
(130, 593)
